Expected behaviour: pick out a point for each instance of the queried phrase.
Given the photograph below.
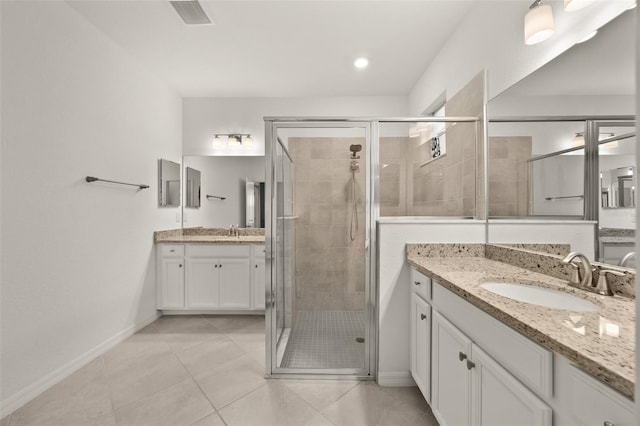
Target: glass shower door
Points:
(320, 230)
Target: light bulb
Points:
(538, 24)
(361, 63)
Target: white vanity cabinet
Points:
(170, 292)
(210, 277)
(258, 272)
(483, 372)
(420, 329)
(470, 388)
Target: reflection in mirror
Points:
(537, 166)
(222, 189)
(254, 193)
(192, 189)
(168, 183)
(618, 189)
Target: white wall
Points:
(500, 48)
(394, 286)
(226, 177)
(202, 117)
(77, 258)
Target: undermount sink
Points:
(540, 296)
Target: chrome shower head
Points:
(354, 150)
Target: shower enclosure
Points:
(326, 183)
(319, 233)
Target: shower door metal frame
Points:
(272, 124)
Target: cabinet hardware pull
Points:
(171, 251)
(180, 265)
(423, 316)
(256, 265)
(470, 365)
(221, 266)
(462, 356)
(606, 423)
(416, 282)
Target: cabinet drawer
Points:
(172, 250)
(529, 362)
(594, 403)
(258, 251)
(421, 284)
(204, 250)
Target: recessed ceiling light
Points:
(361, 63)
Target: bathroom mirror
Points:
(192, 188)
(618, 188)
(536, 156)
(222, 189)
(168, 183)
(254, 193)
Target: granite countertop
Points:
(209, 236)
(601, 342)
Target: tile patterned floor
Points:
(209, 371)
(326, 339)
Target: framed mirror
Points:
(168, 183)
(255, 193)
(543, 185)
(618, 188)
(192, 188)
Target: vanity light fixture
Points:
(232, 139)
(538, 23)
(573, 5)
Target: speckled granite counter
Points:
(600, 342)
(209, 236)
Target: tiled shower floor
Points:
(326, 339)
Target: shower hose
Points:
(353, 229)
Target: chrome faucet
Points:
(585, 270)
(626, 258)
(232, 231)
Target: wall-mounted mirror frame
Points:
(168, 183)
(618, 188)
(192, 188)
(596, 118)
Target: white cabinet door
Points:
(258, 284)
(203, 283)
(421, 344)
(499, 399)
(235, 283)
(172, 285)
(450, 386)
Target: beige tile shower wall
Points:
(451, 185)
(329, 267)
(509, 175)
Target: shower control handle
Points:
(423, 316)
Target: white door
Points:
(203, 283)
(451, 384)
(499, 399)
(172, 284)
(421, 344)
(258, 284)
(235, 283)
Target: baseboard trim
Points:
(25, 395)
(396, 378)
(212, 312)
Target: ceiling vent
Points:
(191, 12)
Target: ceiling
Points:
(282, 48)
(604, 65)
